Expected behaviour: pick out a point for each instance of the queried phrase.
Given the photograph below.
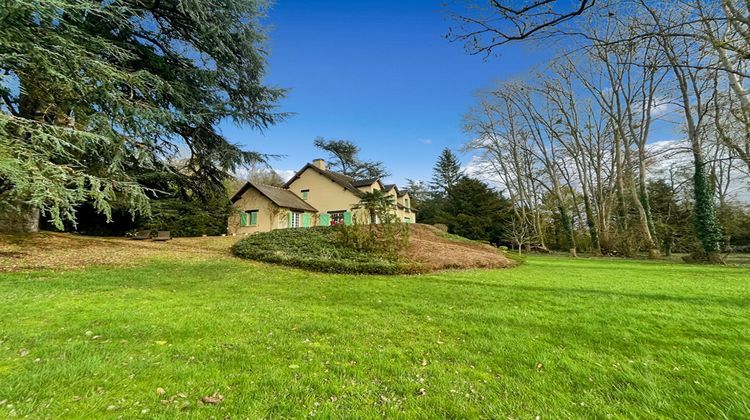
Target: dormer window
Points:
(305, 194)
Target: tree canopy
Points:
(446, 173)
(344, 158)
(473, 210)
(94, 92)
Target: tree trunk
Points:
(706, 224)
(19, 218)
(591, 222)
(567, 226)
(715, 258)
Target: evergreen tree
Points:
(417, 191)
(446, 173)
(343, 155)
(473, 210)
(423, 201)
(93, 93)
(670, 215)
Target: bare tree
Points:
(482, 28)
(696, 98)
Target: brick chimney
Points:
(320, 164)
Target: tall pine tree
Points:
(446, 173)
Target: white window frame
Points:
(296, 219)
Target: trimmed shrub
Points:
(385, 239)
(319, 249)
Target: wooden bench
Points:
(162, 235)
(142, 235)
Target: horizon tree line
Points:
(578, 134)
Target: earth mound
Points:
(321, 249)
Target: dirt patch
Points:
(64, 251)
(429, 247)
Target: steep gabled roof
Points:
(347, 182)
(403, 193)
(279, 196)
(364, 182)
(388, 187)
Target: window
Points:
(406, 203)
(337, 217)
(305, 193)
(294, 219)
(407, 219)
(249, 218)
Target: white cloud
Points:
(244, 173)
(479, 169)
(425, 141)
(286, 174)
(661, 110)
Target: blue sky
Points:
(378, 73)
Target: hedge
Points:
(317, 249)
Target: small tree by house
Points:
(379, 205)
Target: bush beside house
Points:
(325, 249)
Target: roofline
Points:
(239, 192)
(393, 186)
(347, 187)
(249, 184)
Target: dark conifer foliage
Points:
(96, 92)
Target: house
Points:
(314, 196)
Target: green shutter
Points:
(325, 219)
(243, 219)
(253, 218)
(348, 218)
(306, 219)
(289, 223)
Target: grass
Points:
(553, 338)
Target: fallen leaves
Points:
(64, 251)
(435, 252)
(214, 399)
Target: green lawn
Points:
(553, 338)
